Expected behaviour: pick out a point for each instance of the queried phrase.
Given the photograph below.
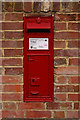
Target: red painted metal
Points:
(38, 64)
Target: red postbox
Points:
(38, 58)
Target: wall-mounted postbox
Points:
(38, 58)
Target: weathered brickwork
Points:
(66, 60)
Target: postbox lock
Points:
(35, 81)
(38, 20)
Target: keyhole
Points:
(33, 80)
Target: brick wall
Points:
(66, 60)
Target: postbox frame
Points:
(48, 52)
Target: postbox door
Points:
(38, 59)
(38, 69)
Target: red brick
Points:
(56, 6)
(59, 61)
(13, 35)
(0, 44)
(66, 35)
(0, 88)
(12, 97)
(72, 114)
(13, 71)
(72, 88)
(73, 97)
(66, 17)
(12, 88)
(59, 114)
(59, 105)
(73, 44)
(74, 80)
(0, 96)
(12, 114)
(1, 114)
(12, 62)
(12, 79)
(39, 14)
(70, 6)
(78, 17)
(9, 105)
(8, 6)
(60, 26)
(66, 52)
(73, 26)
(66, 105)
(60, 79)
(31, 105)
(27, 6)
(78, 26)
(37, 6)
(76, 105)
(60, 97)
(66, 6)
(59, 44)
(18, 6)
(74, 61)
(79, 114)
(67, 70)
(13, 52)
(66, 88)
(14, 17)
(12, 44)
(38, 114)
(0, 25)
(12, 26)
(53, 105)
